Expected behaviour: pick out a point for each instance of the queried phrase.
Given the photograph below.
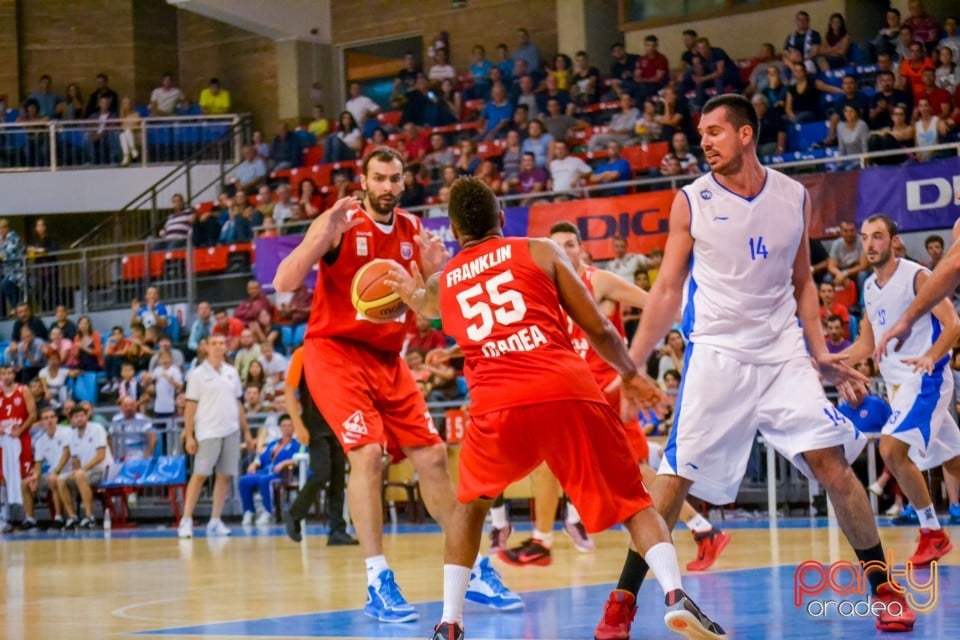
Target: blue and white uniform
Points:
(746, 367)
(920, 401)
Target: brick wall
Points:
(74, 41)
(245, 63)
(488, 23)
(155, 47)
(9, 51)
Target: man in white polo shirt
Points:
(51, 455)
(212, 422)
(91, 459)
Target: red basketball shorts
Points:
(583, 443)
(367, 396)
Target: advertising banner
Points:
(919, 197)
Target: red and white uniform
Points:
(603, 373)
(533, 398)
(16, 452)
(371, 398)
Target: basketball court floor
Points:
(258, 584)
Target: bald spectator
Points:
(248, 310)
(131, 433)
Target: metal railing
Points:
(73, 144)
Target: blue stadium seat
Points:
(142, 110)
(11, 115)
(130, 474)
(801, 137)
(167, 470)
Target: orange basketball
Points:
(371, 297)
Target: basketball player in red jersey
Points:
(359, 382)
(18, 411)
(609, 291)
(533, 397)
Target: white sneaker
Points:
(247, 518)
(217, 528)
(893, 511)
(185, 530)
(875, 489)
(264, 518)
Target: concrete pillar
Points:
(588, 25)
(299, 65)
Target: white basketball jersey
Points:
(739, 296)
(885, 305)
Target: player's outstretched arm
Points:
(864, 345)
(609, 286)
(323, 235)
(663, 302)
(949, 321)
(940, 285)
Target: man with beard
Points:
(372, 403)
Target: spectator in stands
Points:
(566, 172)
(804, 40)
(674, 114)
(520, 121)
(130, 387)
(265, 470)
(803, 98)
(91, 458)
(286, 152)
(413, 194)
(257, 378)
(447, 177)
(772, 137)
(847, 260)
(261, 148)
(680, 148)
(926, 30)
(560, 124)
(51, 457)
(114, 352)
(438, 156)
(63, 322)
(479, 72)
(311, 202)
(538, 142)
(417, 142)
(886, 40)
(898, 135)
(202, 326)
(833, 51)
(248, 352)
(274, 365)
(947, 74)
(443, 199)
(164, 99)
(207, 228)
(131, 433)
(251, 172)
(651, 73)
(837, 339)
(441, 69)
(139, 350)
(912, 68)
(102, 90)
(425, 337)
(689, 48)
(510, 159)
(214, 100)
(623, 263)
(614, 169)
(530, 180)
(693, 81)
(670, 166)
(489, 174)
(319, 125)
(360, 106)
(265, 328)
(87, 347)
(671, 354)
(165, 345)
(761, 76)
(526, 51)
(47, 100)
(256, 301)
(103, 140)
(497, 114)
(283, 207)
(167, 381)
(25, 317)
(852, 133)
(829, 307)
(26, 356)
(720, 67)
(152, 312)
(503, 66)
(346, 143)
(928, 128)
(420, 106)
(525, 96)
(54, 379)
(622, 66)
(622, 126)
(179, 223)
(585, 83)
(939, 98)
(885, 100)
(73, 107)
(559, 75)
(551, 91)
(406, 77)
(449, 103)
(129, 132)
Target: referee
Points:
(327, 460)
(213, 420)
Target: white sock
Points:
(699, 524)
(455, 581)
(498, 516)
(375, 566)
(928, 518)
(545, 539)
(662, 560)
(573, 516)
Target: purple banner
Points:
(516, 221)
(270, 252)
(919, 197)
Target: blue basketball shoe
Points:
(487, 588)
(386, 603)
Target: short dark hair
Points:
(49, 409)
(473, 207)
(740, 112)
(615, 45)
(381, 154)
(803, 13)
(529, 153)
(103, 76)
(565, 227)
(690, 32)
(651, 38)
(215, 81)
(933, 238)
(887, 221)
(894, 11)
(284, 416)
(167, 74)
(887, 73)
(834, 318)
(78, 408)
(46, 76)
(672, 373)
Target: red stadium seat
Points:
(390, 118)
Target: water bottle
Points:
(106, 520)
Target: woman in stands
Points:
(378, 139)
(346, 143)
(413, 194)
(468, 163)
(561, 71)
(852, 134)
(946, 73)
(310, 200)
(73, 107)
(803, 98)
(130, 121)
(674, 115)
(897, 136)
(928, 128)
(836, 44)
(776, 91)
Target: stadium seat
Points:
(801, 137)
(130, 473)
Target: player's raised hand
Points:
(900, 331)
(433, 252)
(408, 285)
(850, 383)
(335, 221)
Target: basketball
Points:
(371, 297)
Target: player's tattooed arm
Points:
(422, 297)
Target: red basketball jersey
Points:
(602, 372)
(505, 314)
(333, 314)
(13, 410)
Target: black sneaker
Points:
(27, 525)
(56, 525)
(341, 539)
(685, 617)
(71, 523)
(292, 527)
(447, 631)
(530, 552)
(87, 523)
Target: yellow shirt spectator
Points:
(215, 103)
(319, 127)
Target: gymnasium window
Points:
(639, 14)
